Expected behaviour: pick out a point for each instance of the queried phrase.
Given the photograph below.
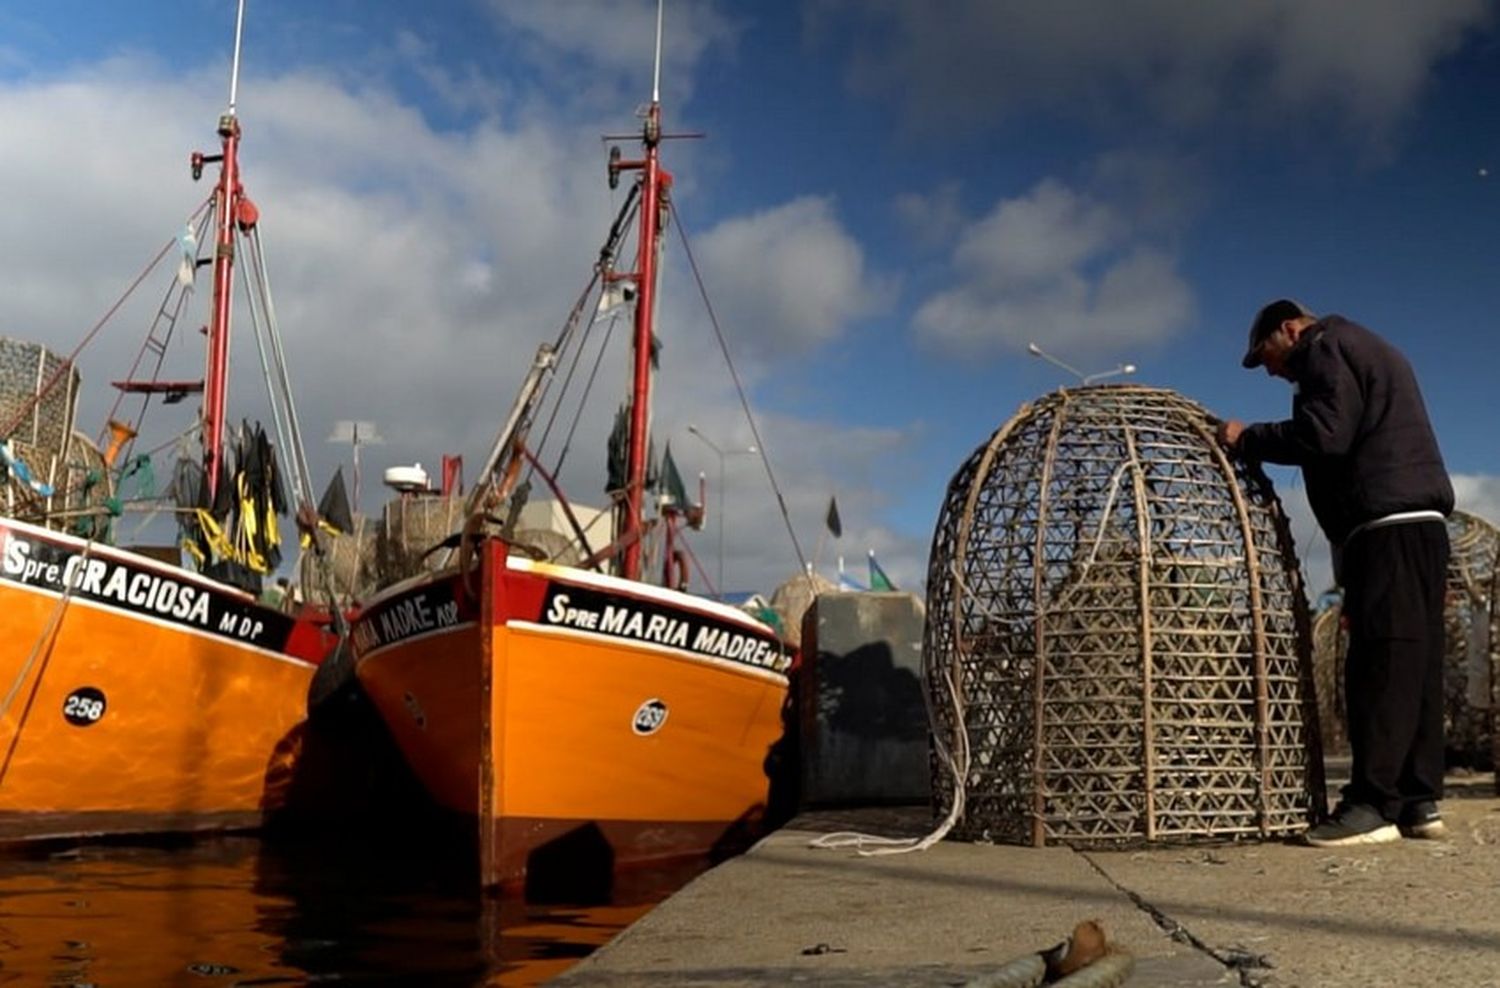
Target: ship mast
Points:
(654, 183)
(227, 198)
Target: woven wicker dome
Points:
(1330, 642)
(1471, 652)
(1471, 625)
(1119, 610)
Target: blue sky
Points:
(891, 201)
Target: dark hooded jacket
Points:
(1359, 430)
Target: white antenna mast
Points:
(656, 76)
(234, 73)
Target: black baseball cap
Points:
(1267, 321)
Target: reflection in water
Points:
(239, 911)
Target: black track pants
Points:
(1394, 587)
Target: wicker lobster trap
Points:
(1472, 639)
(1471, 656)
(1118, 646)
(1330, 643)
(43, 439)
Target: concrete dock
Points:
(1279, 915)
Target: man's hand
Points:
(1229, 433)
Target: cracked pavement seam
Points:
(1250, 968)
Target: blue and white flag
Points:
(847, 582)
(13, 465)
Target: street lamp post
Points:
(721, 454)
(356, 434)
(1083, 378)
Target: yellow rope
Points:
(214, 534)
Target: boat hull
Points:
(137, 697)
(577, 718)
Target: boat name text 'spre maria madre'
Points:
(635, 618)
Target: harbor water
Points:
(240, 910)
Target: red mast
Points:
(215, 379)
(654, 181)
(232, 208)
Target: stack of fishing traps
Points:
(1471, 658)
(1472, 640)
(1118, 645)
(38, 407)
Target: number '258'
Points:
(82, 706)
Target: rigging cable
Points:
(301, 476)
(261, 345)
(524, 414)
(67, 364)
(588, 388)
(624, 219)
(563, 340)
(149, 455)
(739, 387)
(204, 214)
(534, 389)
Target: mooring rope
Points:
(49, 634)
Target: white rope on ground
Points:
(956, 760)
(958, 766)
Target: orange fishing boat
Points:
(577, 714)
(138, 694)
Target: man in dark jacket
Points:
(1376, 482)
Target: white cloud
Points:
(790, 278)
(415, 269)
(1059, 267)
(461, 87)
(1478, 494)
(1030, 239)
(618, 37)
(1155, 192)
(934, 219)
(1359, 66)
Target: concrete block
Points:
(861, 718)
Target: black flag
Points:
(333, 509)
(671, 481)
(834, 525)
